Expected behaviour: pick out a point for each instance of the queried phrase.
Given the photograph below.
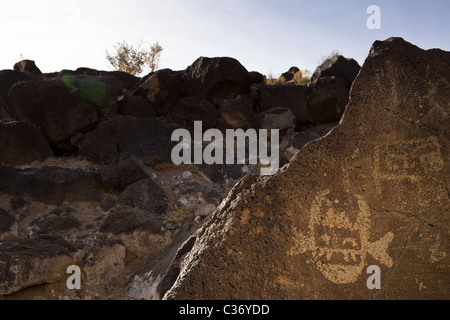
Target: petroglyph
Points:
(338, 239)
(411, 159)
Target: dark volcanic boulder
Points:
(121, 173)
(128, 80)
(327, 100)
(101, 91)
(58, 220)
(237, 113)
(276, 118)
(289, 75)
(7, 223)
(124, 219)
(373, 192)
(216, 79)
(61, 111)
(28, 66)
(51, 185)
(7, 79)
(138, 107)
(340, 67)
(22, 143)
(159, 273)
(28, 262)
(285, 96)
(147, 139)
(162, 89)
(145, 195)
(192, 109)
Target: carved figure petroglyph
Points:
(338, 245)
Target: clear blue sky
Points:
(264, 35)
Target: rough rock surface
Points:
(159, 273)
(51, 184)
(28, 262)
(375, 191)
(61, 111)
(28, 66)
(15, 137)
(190, 109)
(162, 89)
(216, 79)
(7, 224)
(145, 195)
(147, 139)
(124, 171)
(7, 79)
(340, 67)
(285, 96)
(327, 100)
(236, 113)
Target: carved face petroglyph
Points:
(339, 240)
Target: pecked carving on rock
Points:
(372, 192)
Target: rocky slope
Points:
(86, 176)
(373, 192)
(86, 179)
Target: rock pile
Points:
(374, 192)
(86, 179)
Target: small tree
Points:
(302, 77)
(132, 60)
(152, 57)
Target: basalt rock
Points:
(22, 143)
(124, 171)
(146, 139)
(145, 195)
(216, 79)
(28, 262)
(327, 100)
(162, 89)
(190, 109)
(373, 192)
(27, 66)
(51, 184)
(237, 113)
(289, 75)
(58, 220)
(7, 79)
(285, 96)
(340, 67)
(60, 110)
(7, 224)
(157, 275)
(138, 107)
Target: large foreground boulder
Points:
(374, 192)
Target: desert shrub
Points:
(129, 59)
(302, 77)
(272, 80)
